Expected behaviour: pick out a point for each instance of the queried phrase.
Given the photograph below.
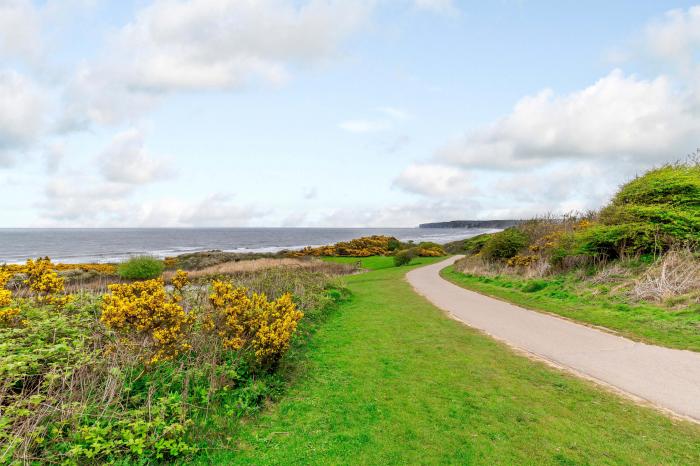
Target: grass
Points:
(389, 379)
(559, 295)
(377, 262)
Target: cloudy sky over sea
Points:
(335, 113)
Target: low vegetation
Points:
(371, 246)
(634, 266)
(404, 257)
(141, 268)
(146, 372)
(388, 379)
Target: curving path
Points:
(667, 378)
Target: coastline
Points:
(113, 246)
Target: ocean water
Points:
(113, 245)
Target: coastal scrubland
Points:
(326, 355)
(147, 371)
(632, 267)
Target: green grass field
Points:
(388, 379)
(558, 295)
(377, 262)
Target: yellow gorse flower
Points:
(8, 315)
(45, 283)
(180, 280)
(241, 320)
(144, 309)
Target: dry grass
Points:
(676, 273)
(476, 265)
(241, 267)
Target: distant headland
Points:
(471, 224)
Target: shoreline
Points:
(111, 257)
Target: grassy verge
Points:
(560, 295)
(390, 380)
(377, 262)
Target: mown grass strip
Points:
(389, 379)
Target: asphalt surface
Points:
(666, 378)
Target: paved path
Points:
(667, 378)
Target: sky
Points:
(362, 113)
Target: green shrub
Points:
(141, 268)
(475, 244)
(404, 257)
(393, 244)
(648, 214)
(504, 245)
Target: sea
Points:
(77, 245)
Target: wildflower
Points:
(144, 309)
(45, 282)
(242, 320)
(180, 280)
(8, 315)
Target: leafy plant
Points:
(504, 244)
(141, 268)
(404, 257)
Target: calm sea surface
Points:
(109, 245)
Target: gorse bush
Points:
(145, 313)
(370, 246)
(132, 377)
(242, 321)
(505, 244)
(141, 268)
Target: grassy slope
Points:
(643, 322)
(390, 380)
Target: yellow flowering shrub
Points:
(375, 245)
(275, 322)
(522, 261)
(45, 283)
(8, 315)
(170, 262)
(430, 252)
(241, 320)
(144, 310)
(180, 280)
(107, 269)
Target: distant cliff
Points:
(471, 224)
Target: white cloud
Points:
(399, 215)
(217, 210)
(309, 192)
(390, 117)
(365, 126)
(447, 7)
(54, 154)
(618, 117)
(93, 203)
(85, 203)
(21, 113)
(395, 113)
(20, 26)
(224, 44)
(198, 45)
(676, 36)
(435, 180)
(126, 160)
